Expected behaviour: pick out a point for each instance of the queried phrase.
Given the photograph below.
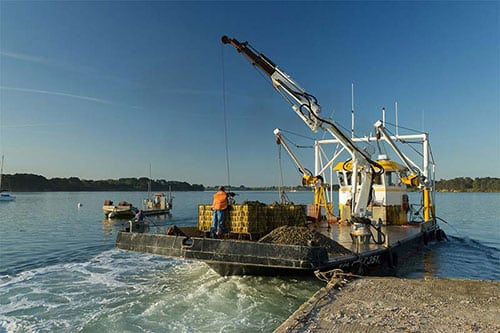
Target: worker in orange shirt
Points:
(219, 205)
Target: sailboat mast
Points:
(1, 173)
(149, 183)
(352, 110)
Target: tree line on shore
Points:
(37, 183)
(467, 184)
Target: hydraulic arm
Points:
(309, 180)
(307, 108)
(415, 178)
(304, 104)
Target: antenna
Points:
(383, 116)
(352, 110)
(397, 127)
(423, 120)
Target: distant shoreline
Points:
(37, 183)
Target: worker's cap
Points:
(221, 188)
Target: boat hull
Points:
(235, 257)
(152, 212)
(118, 211)
(229, 257)
(7, 198)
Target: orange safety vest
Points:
(220, 200)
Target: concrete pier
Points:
(391, 304)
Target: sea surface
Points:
(60, 272)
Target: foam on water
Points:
(122, 291)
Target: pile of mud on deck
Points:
(291, 235)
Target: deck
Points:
(394, 234)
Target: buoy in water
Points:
(79, 205)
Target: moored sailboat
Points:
(4, 193)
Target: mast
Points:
(397, 126)
(149, 183)
(352, 110)
(1, 173)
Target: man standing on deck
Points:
(219, 205)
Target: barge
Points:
(376, 228)
(246, 257)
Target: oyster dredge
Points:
(376, 227)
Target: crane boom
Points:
(417, 176)
(304, 104)
(320, 200)
(307, 108)
(282, 142)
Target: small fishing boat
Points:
(4, 194)
(123, 209)
(376, 228)
(157, 204)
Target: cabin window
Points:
(348, 177)
(389, 178)
(397, 178)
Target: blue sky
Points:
(101, 90)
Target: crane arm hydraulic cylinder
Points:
(302, 103)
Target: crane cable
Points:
(225, 119)
(281, 188)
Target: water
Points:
(60, 272)
(473, 228)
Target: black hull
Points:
(234, 257)
(156, 212)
